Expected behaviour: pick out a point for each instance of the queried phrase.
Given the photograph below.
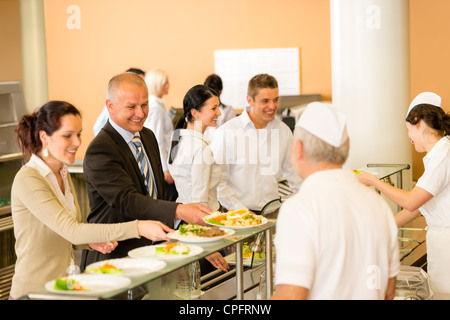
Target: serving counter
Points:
(164, 280)
(247, 277)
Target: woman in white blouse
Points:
(191, 163)
(48, 223)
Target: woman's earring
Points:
(45, 154)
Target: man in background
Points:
(253, 150)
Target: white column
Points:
(34, 53)
(370, 78)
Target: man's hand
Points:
(192, 213)
(218, 261)
(168, 177)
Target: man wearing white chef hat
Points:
(336, 239)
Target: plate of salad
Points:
(235, 219)
(196, 233)
(126, 267)
(87, 284)
(168, 252)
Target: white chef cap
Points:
(425, 97)
(325, 122)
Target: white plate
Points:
(263, 222)
(93, 284)
(149, 252)
(176, 235)
(130, 267)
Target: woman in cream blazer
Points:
(46, 215)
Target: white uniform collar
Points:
(435, 149)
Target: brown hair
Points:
(195, 98)
(47, 118)
(433, 116)
(261, 81)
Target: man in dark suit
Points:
(116, 188)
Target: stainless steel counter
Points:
(412, 243)
(141, 287)
(242, 281)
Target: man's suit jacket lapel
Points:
(125, 150)
(152, 150)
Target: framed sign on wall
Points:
(237, 67)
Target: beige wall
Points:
(181, 36)
(430, 55)
(10, 46)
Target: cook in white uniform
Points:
(428, 128)
(335, 239)
(253, 150)
(191, 163)
(159, 122)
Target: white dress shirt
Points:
(128, 137)
(159, 122)
(253, 161)
(194, 171)
(337, 238)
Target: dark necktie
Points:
(144, 166)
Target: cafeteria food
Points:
(106, 268)
(173, 248)
(196, 230)
(247, 253)
(235, 218)
(68, 284)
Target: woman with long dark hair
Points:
(191, 162)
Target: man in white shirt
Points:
(336, 238)
(253, 150)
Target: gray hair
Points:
(116, 81)
(316, 150)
